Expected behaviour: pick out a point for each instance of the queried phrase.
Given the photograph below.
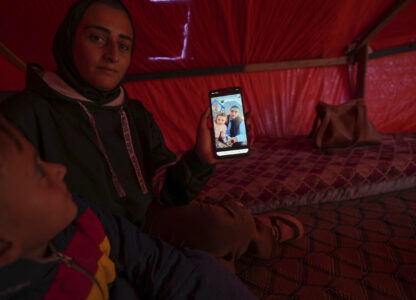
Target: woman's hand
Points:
(204, 147)
(204, 137)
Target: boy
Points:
(54, 247)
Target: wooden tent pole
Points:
(271, 66)
(363, 38)
(358, 50)
(307, 63)
(13, 58)
(362, 58)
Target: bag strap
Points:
(319, 114)
(315, 123)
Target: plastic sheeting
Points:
(393, 34)
(282, 102)
(187, 34)
(391, 94)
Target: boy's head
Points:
(35, 204)
(220, 119)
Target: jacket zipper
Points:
(69, 262)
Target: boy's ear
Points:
(9, 252)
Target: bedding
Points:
(292, 172)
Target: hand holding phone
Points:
(203, 144)
(229, 128)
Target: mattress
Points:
(292, 172)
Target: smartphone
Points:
(228, 124)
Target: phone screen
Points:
(229, 127)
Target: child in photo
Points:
(54, 245)
(219, 125)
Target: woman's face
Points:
(102, 46)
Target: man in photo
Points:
(236, 128)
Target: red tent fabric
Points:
(282, 102)
(191, 34)
(186, 34)
(400, 31)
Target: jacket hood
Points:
(50, 85)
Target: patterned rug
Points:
(355, 249)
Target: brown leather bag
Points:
(343, 126)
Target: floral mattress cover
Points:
(291, 172)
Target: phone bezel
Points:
(226, 92)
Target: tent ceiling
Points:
(189, 34)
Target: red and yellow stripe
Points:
(90, 249)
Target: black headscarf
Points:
(63, 44)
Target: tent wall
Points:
(391, 92)
(183, 35)
(282, 102)
(189, 34)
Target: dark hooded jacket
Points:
(61, 132)
(235, 125)
(99, 256)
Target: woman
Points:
(81, 117)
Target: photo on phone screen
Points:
(229, 128)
